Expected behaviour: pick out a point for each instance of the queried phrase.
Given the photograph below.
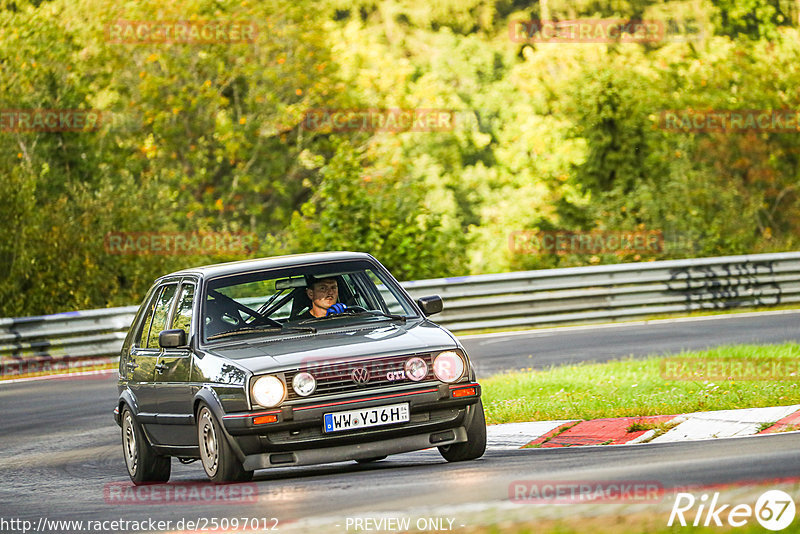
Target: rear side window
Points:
(141, 336)
(159, 320)
(183, 315)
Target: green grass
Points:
(635, 388)
(763, 426)
(653, 523)
(638, 426)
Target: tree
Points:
(376, 210)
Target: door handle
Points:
(161, 368)
(132, 365)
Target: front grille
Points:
(336, 376)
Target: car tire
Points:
(475, 445)
(370, 460)
(216, 454)
(144, 465)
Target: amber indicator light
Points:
(264, 419)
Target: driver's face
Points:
(324, 294)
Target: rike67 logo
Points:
(774, 510)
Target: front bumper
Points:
(296, 437)
(361, 451)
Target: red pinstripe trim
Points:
(459, 386)
(367, 399)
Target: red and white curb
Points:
(614, 431)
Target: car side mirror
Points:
(172, 339)
(430, 305)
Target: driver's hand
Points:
(339, 307)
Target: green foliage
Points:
(383, 214)
(210, 137)
(753, 19)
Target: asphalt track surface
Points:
(59, 446)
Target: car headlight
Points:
(268, 391)
(448, 366)
(304, 384)
(416, 369)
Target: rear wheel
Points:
(143, 464)
(219, 461)
(475, 445)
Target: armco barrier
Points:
(614, 292)
(63, 341)
(75, 340)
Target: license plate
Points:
(366, 417)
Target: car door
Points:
(141, 364)
(145, 357)
(173, 374)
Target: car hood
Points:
(355, 342)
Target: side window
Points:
(389, 300)
(163, 303)
(183, 315)
(142, 336)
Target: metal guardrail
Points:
(83, 339)
(63, 341)
(613, 292)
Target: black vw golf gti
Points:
(286, 361)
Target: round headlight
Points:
(416, 369)
(448, 366)
(304, 384)
(268, 391)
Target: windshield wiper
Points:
(389, 315)
(309, 329)
(281, 328)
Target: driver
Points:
(324, 296)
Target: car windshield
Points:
(283, 301)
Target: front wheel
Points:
(219, 461)
(143, 464)
(475, 445)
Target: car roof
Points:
(258, 264)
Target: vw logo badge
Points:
(360, 375)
